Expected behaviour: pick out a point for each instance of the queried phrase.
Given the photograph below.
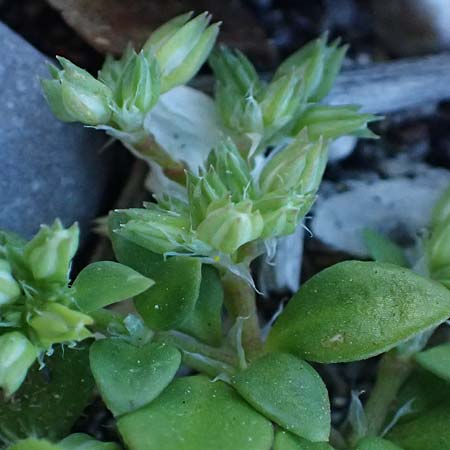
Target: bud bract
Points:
(157, 230)
(181, 48)
(50, 252)
(229, 227)
(331, 122)
(76, 96)
(282, 212)
(17, 354)
(55, 323)
(298, 167)
(9, 288)
(282, 100)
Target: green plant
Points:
(185, 258)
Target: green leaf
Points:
(430, 431)
(194, 413)
(288, 441)
(289, 392)
(425, 391)
(172, 299)
(105, 282)
(205, 322)
(376, 443)
(436, 360)
(130, 377)
(51, 399)
(355, 310)
(34, 444)
(80, 441)
(383, 249)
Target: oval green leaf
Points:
(105, 282)
(51, 399)
(288, 441)
(205, 322)
(355, 310)
(194, 413)
(177, 281)
(436, 360)
(430, 431)
(130, 377)
(376, 443)
(288, 391)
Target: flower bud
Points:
(76, 96)
(17, 354)
(231, 168)
(136, 92)
(55, 323)
(331, 122)
(229, 227)
(9, 288)
(181, 48)
(282, 99)
(49, 254)
(233, 69)
(157, 230)
(299, 167)
(282, 212)
(112, 69)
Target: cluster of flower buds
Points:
(36, 306)
(289, 103)
(128, 88)
(227, 207)
(438, 244)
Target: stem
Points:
(240, 301)
(202, 357)
(392, 373)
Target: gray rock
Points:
(48, 169)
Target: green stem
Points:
(392, 373)
(199, 356)
(240, 301)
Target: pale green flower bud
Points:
(49, 254)
(231, 226)
(232, 169)
(282, 100)
(80, 441)
(331, 122)
(17, 354)
(76, 96)
(318, 64)
(112, 69)
(202, 191)
(136, 92)
(298, 167)
(9, 288)
(181, 48)
(282, 212)
(55, 323)
(233, 69)
(157, 230)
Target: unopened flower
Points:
(76, 96)
(9, 287)
(55, 323)
(49, 254)
(180, 47)
(17, 354)
(229, 227)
